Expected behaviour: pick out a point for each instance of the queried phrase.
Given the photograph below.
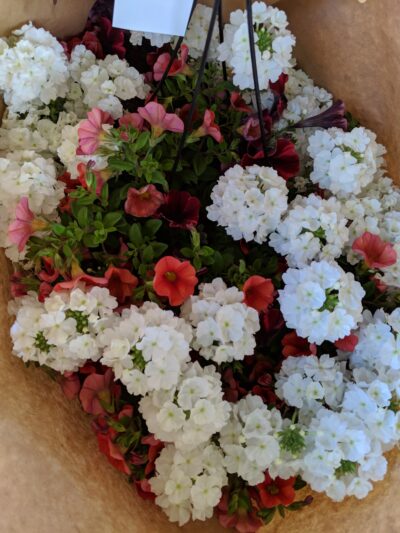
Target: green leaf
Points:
(58, 229)
(151, 227)
(187, 252)
(267, 515)
(158, 248)
(135, 235)
(148, 254)
(83, 217)
(111, 219)
(142, 141)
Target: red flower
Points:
(238, 103)
(112, 39)
(98, 392)
(283, 158)
(244, 518)
(272, 320)
(293, 345)
(70, 384)
(160, 120)
(89, 281)
(17, 286)
(143, 202)
(376, 252)
(91, 131)
(121, 283)
(180, 210)
(209, 127)
(258, 293)
(179, 66)
(45, 289)
(174, 279)
(48, 272)
(24, 225)
(347, 344)
(273, 492)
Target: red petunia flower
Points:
(179, 66)
(258, 293)
(283, 158)
(143, 202)
(376, 252)
(121, 283)
(238, 103)
(293, 345)
(24, 225)
(180, 210)
(244, 518)
(174, 279)
(209, 127)
(91, 130)
(98, 393)
(347, 344)
(273, 492)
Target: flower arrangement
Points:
(226, 314)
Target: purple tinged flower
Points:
(331, 118)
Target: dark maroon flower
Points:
(112, 39)
(331, 118)
(280, 100)
(180, 210)
(283, 158)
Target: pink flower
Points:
(89, 281)
(209, 127)
(98, 393)
(376, 252)
(70, 385)
(179, 66)
(91, 131)
(160, 120)
(132, 120)
(143, 202)
(24, 225)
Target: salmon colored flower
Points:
(160, 120)
(143, 202)
(293, 346)
(273, 492)
(98, 393)
(376, 252)
(91, 130)
(70, 385)
(89, 281)
(132, 120)
(179, 66)
(258, 293)
(24, 225)
(121, 283)
(180, 210)
(209, 127)
(174, 279)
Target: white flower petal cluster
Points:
(106, 82)
(147, 348)
(321, 301)
(62, 333)
(188, 484)
(274, 45)
(342, 448)
(312, 229)
(345, 162)
(195, 37)
(190, 413)
(249, 202)
(33, 69)
(249, 440)
(223, 326)
(26, 174)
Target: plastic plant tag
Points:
(169, 17)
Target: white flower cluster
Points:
(62, 333)
(33, 69)
(105, 82)
(189, 485)
(249, 440)
(223, 326)
(190, 413)
(24, 174)
(195, 37)
(321, 301)
(312, 229)
(345, 162)
(274, 45)
(340, 451)
(147, 348)
(249, 202)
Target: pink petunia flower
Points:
(24, 225)
(98, 393)
(143, 202)
(160, 120)
(91, 130)
(133, 120)
(179, 66)
(376, 252)
(209, 127)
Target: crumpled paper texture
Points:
(52, 476)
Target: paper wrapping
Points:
(52, 476)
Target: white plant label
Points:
(169, 17)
